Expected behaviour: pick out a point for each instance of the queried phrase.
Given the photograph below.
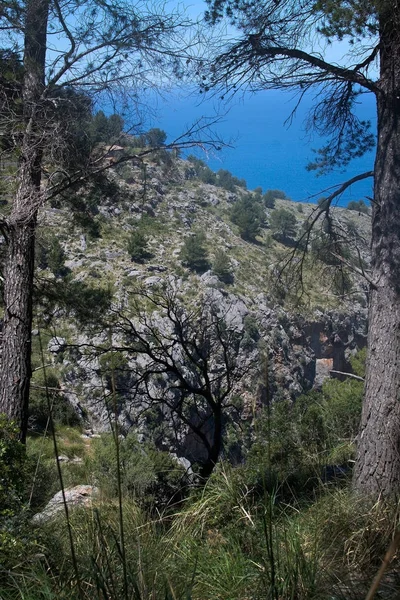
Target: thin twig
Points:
(347, 375)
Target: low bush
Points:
(358, 206)
(17, 542)
(137, 246)
(222, 266)
(151, 477)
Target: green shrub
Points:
(359, 206)
(88, 303)
(229, 182)
(251, 332)
(105, 129)
(324, 249)
(283, 223)
(56, 259)
(114, 368)
(12, 468)
(63, 411)
(341, 282)
(271, 195)
(296, 440)
(222, 266)
(201, 170)
(342, 402)
(358, 362)
(17, 543)
(155, 137)
(137, 246)
(49, 254)
(206, 175)
(148, 475)
(248, 215)
(194, 253)
(43, 480)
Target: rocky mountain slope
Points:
(293, 325)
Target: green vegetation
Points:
(221, 178)
(137, 246)
(150, 477)
(271, 195)
(359, 206)
(106, 129)
(154, 138)
(283, 224)
(248, 215)
(62, 410)
(222, 266)
(263, 509)
(229, 182)
(194, 252)
(49, 254)
(277, 518)
(283, 524)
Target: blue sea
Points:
(266, 151)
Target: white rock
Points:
(56, 344)
(80, 495)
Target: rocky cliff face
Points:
(297, 343)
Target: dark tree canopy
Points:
(194, 252)
(283, 223)
(248, 215)
(222, 266)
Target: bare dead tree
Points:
(187, 361)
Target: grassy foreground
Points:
(226, 542)
(283, 525)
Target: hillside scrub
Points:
(283, 224)
(248, 532)
(194, 252)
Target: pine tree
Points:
(194, 252)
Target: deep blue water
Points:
(267, 152)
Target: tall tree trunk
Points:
(378, 457)
(15, 369)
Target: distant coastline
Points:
(267, 152)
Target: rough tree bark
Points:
(20, 230)
(378, 460)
